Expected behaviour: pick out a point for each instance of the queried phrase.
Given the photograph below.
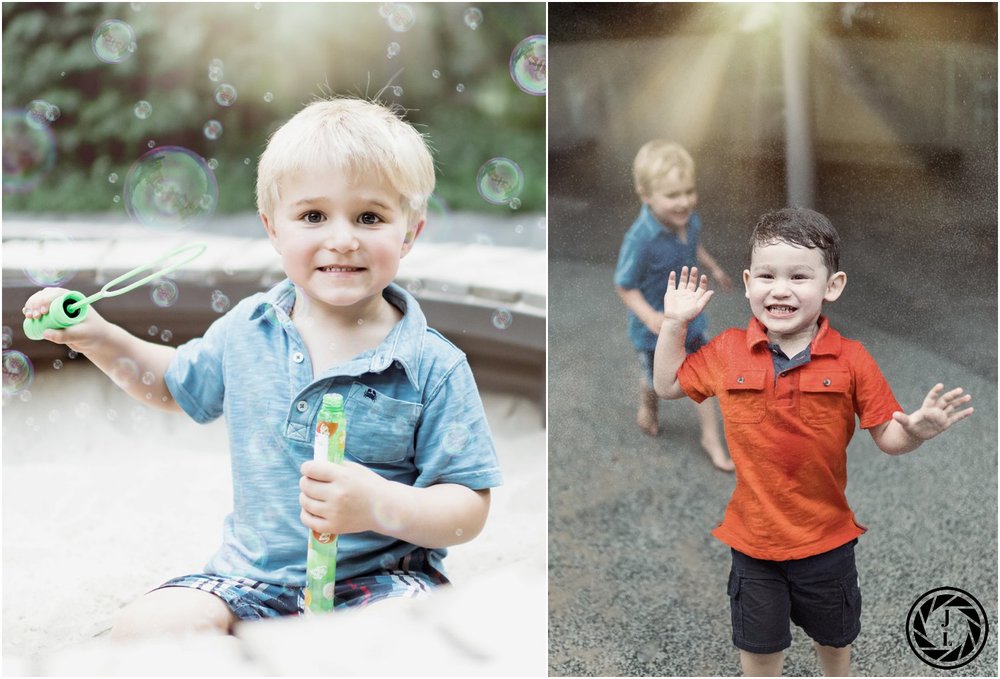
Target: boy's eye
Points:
(313, 217)
(369, 218)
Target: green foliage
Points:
(293, 51)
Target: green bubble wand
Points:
(71, 308)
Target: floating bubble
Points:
(473, 17)
(246, 161)
(397, 91)
(212, 129)
(165, 189)
(219, 302)
(150, 144)
(514, 204)
(401, 18)
(71, 354)
(136, 6)
(499, 180)
(55, 266)
(8, 337)
(385, 9)
(166, 335)
(458, 532)
(148, 378)
(415, 286)
(29, 152)
(113, 178)
(225, 95)
(268, 97)
(528, 65)
(435, 74)
(25, 396)
(213, 164)
(17, 372)
(142, 110)
(40, 114)
(164, 294)
(116, 199)
(124, 371)
(215, 70)
(113, 41)
(459, 87)
(456, 439)
(392, 50)
(502, 318)
(57, 364)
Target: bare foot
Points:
(649, 412)
(717, 453)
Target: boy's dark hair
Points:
(801, 227)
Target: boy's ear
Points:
(271, 233)
(411, 236)
(835, 286)
(746, 283)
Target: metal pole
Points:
(800, 168)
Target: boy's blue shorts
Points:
(820, 594)
(250, 599)
(691, 345)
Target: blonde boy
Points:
(342, 191)
(662, 239)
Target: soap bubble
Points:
(392, 50)
(25, 396)
(113, 178)
(499, 180)
(225, 95)
(456, 439)
(17, 372)
(116, 199)
(143, 110)
(152, 331)
(473, 17)
(29, 153)
(164, 294)
(57, 364)
(215, 70)
(113, 41)
(435, 74)
(54, 261)
(502, 318)
(166, 335)
(124, 371)
(397, 91)
(213, 129)
(268, 97)
(166, 188)
(401, 18)
(151, 144)
(213, 164)
(40, 114)
(219, 302)
(148, 378)
(529, 65)
(514, 203)
(8, 337)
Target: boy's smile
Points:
(673, 200)
(340, 238)
(786, 286)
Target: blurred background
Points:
(133, 128)
(883, 116)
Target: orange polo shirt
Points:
(788, 436)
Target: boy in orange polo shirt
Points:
(789, 387)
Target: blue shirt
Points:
(648, 254)
(413, 412)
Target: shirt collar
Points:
(826, 341)
(404, 343)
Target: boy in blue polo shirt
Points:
(342, 191)
(662, 239)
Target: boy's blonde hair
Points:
(655, 159)
(354, 136)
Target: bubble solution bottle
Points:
(321, 559)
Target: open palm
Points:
(686, 296)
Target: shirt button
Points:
(301, 406)
(826, 383)
(298, 357)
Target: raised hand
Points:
(938, 413)
(686, 297)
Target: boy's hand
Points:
(938, 413)
(687, 297)
(82, 337)
(340, 498)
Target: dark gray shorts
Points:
(820, 594)
(691, 345)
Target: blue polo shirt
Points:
(413, 411)
(649, 252)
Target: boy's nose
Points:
(340, 237)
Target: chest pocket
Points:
(379, 428)
(745, 401)
(825, 395)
